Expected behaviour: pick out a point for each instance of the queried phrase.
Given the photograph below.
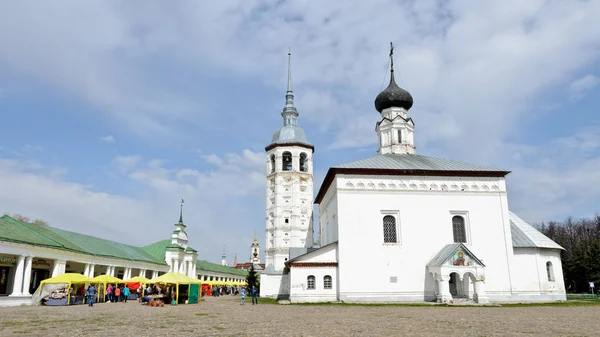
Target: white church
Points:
(398, 226)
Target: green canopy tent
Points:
(177, 279)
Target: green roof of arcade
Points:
(217, 268)
(16, 231)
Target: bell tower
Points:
(255, 253)
(396, 129)
(289, 187)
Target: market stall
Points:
(134, 284)
(102, 281)
(179, 287)
(207, 288)
(65, 289)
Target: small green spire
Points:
(181, 212)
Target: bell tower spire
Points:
(290, 114)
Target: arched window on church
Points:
(458, 229)
(286, 161)
(327, 282)
(550, 271)
(272, 163)
(303, 166)
(310, 282)
(389, 229)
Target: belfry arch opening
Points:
(303, 166)
(286, 161)
(272, 163)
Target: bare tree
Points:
(23, 218)
(40, 222)
(20, 217)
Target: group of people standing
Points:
(253, 293)
(117, 294)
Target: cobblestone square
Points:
(224, 316)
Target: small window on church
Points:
(399, 136)
(303, 166)
(310, 282)
(550, 271)
(287, 220)
(272, 163)
(389, 229)
(286, 161)
(458, 229)
(327, 282)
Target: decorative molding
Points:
(444, 185)
(312, 264)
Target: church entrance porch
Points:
(459, 274)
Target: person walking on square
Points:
(125, 294)
(109, 292)
(117, 294)
(91, 295)
(254, 292)
(243, 294)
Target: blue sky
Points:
(113, 111)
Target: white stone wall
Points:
(299, 291)
(274, 286)
(529, 276)
(328, 226)
(298, 288)
(424, 207)
(289, 205)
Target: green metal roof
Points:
(157, 249)
(15, 231)
(217, 268)
(41, 235)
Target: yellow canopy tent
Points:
(68, 279)
(104, 279)
(137, 279)
(177, 279)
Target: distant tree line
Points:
(23, 218)
(581, 257)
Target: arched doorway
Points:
(468, 285)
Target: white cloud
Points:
(581, 86)
(125, 164)
(221, 205)
(474, 67)
(558, 178)
(108, 139)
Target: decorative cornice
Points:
(275, 145)
(329, 178)
(312, 264)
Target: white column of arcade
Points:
(27, 277)
(18, 282)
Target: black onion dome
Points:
(393, 96)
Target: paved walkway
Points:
(224, 316)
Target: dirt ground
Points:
(224, 316)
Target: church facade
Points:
(421, 228)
